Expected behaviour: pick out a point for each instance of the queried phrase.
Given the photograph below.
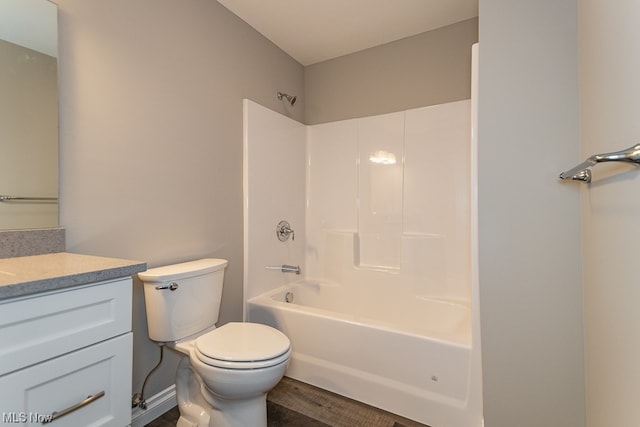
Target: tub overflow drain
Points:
(288, 297)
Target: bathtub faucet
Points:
(285, 268)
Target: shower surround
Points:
(383, 311)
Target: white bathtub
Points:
(407, 355)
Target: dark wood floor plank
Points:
(296, 404)
(279, 416)
(331, 408)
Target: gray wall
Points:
(151, 163)
(610, 107)
(529, 222)
(151, 137)
(427, 69)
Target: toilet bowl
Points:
(225, 372)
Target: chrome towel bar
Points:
(27, 199)
(582, 172)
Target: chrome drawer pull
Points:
(55, 415)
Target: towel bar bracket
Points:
(582, 172)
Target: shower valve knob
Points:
(283, 231)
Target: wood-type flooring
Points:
(296, 404)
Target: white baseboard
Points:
(157, 405)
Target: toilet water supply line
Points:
(137, 400)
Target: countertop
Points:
(28, 275)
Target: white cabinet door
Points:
(92, 384)
(40, 327)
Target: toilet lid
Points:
(249, 345)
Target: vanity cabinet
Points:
(67, 355)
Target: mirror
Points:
(28, 114)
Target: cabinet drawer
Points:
(40, 327)
(103, 371)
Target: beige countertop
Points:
(28, 275)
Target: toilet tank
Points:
(182, 299)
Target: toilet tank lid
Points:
(182, 270)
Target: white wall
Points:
(407, 223)
(529, 222)
(274, 190)
(409, 219)
(610, 107)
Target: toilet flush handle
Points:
(172, 287)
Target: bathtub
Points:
(409, 355)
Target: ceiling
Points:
(32, 24)
(312, 31)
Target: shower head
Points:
(291, 99)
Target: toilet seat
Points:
(239, 345)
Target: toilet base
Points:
(194, 410)
(184, 422)
(238, 413)
(200, 407)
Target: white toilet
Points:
(226, 372)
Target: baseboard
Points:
(157, 405)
